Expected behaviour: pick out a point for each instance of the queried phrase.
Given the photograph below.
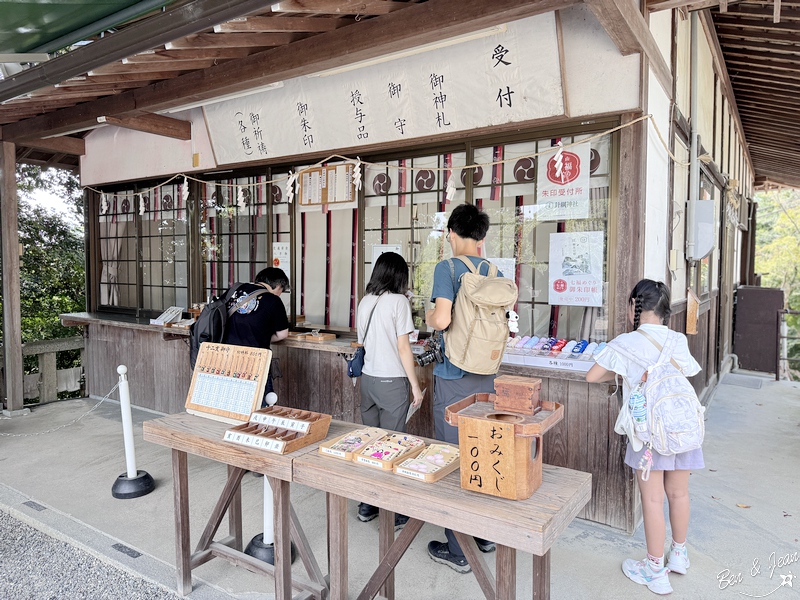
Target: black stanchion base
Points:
(126, 487)
(265, 552)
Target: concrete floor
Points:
(56, 474)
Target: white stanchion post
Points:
(133, 483)
(268, 536)
(127, 420)
(262, 546)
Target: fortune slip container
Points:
(500, 437)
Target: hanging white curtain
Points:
(111, 234)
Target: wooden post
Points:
(629, 253)
(12, 320)
(48, 383)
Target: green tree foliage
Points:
(56, 181)
(778, 252)
(52, 272)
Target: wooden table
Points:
(531, 525)
(200, 436)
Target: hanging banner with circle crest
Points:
(563, 186)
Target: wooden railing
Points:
(46, 351)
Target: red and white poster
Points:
(563, 185)
(576, 269)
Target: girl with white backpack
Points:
(657, 474)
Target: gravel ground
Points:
(35, 566)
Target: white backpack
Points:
(674, 414)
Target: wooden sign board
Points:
(692, 311)
(487, 457)
(326, 185)
(228, 382)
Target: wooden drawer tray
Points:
(396, 447)
(345, 446)
(433, 463)
(280, 430)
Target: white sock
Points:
(677, 545)
(656, 562)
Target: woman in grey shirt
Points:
(384, 322)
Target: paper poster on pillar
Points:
(563, 184)
(576, 269)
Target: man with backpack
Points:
(466, 230)
(261, 320)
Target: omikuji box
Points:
(501, 450)
(517, 394)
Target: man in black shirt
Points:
(262, 320)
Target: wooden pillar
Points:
(629, 252)
(12, 320)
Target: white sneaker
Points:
(641, 572)
(678, 561)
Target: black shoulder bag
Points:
(355, 364)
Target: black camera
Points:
(432, 352)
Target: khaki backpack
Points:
(478, 332)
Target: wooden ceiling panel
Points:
(763, 62)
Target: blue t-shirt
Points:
(445, 287)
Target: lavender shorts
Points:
(677, 462)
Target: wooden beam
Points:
(339, 7)
(735, 61)
(766, 10)
(774, 111)
(730, 32)
(769, 82)
(769, 48)
(776, 131)
(758, 93)
(75, 94)
(280, 25)
(9, 246)
(234, 40)
(419, 24)
(626, 26)
(690, 5)
(139, 78)
(151, 123)
(753, 122)
(783, 77)
(63, 144)
(747, 22)
(161, 56)
(172, 65)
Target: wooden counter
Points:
(530, 525)
(315, 378)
